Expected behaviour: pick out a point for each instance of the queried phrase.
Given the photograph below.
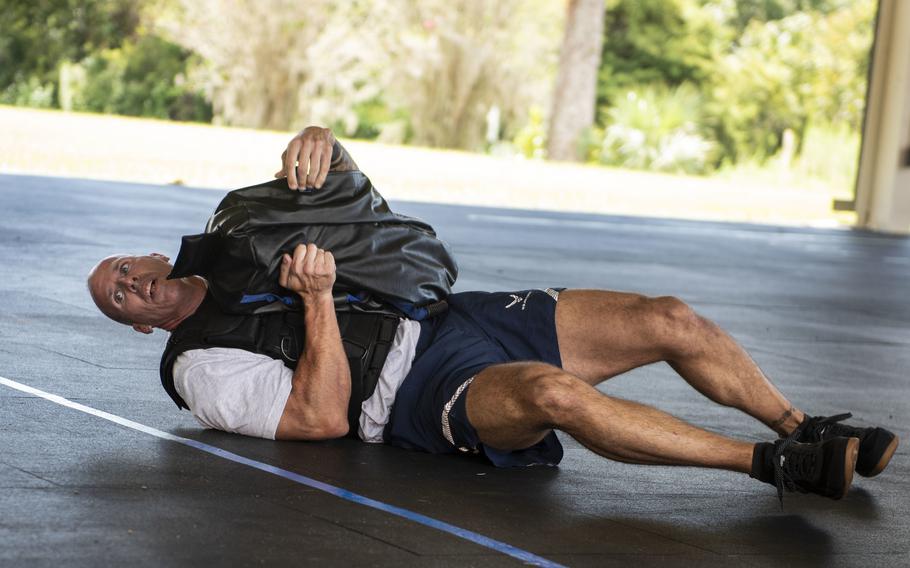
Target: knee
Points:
(556, 395)
(673, 312)
(673, 321)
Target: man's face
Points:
(134, 289)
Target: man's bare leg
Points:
(602, 334)
(514, 405)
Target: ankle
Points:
(763, 462)
(791, 423)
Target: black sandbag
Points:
(382, 258)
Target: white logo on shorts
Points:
(516, 299)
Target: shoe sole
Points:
(885, 459)
(851, 453)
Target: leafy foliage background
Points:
(689, 86)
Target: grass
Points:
(58, 143)
(827, 163)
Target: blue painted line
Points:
(443, 526)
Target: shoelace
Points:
(782, 478)
(785, 467)
(815, 428)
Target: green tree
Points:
(662, 42)
(145, 77)
(96, 55)
(764, 68)
(425, 72)
(785, 74)
(748, 11)
(37, 37)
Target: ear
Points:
(142, 328)
(161, 256)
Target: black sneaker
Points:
(824, 468)
(876, 445)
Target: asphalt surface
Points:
(825, 313)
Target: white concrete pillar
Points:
(883, 183)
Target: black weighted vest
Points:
(367, 338)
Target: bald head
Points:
(134, 290)
(96, 283)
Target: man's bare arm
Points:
(311, 155)
(317, 407)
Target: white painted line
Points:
(471, 536)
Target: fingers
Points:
(308, 158)
(313, 260)
(299, 260)
(309, 263)
(284, 271)
(325, 163)
(306, 259)
(315, 163)
(290, 160)
(284, 156)
(311, 270)
(303, 160)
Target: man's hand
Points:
(308, 157)
(310, 272)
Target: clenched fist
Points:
(310, 272)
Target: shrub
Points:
(531, 140)
(36, 37)
(658, 129)
(29, 92)
(142, 78)
(783, 74)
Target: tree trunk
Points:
(575, 92)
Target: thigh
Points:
(434, 388)
(603, 333)
(499, 405)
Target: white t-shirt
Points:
(243, 392)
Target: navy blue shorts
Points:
(478, 330)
